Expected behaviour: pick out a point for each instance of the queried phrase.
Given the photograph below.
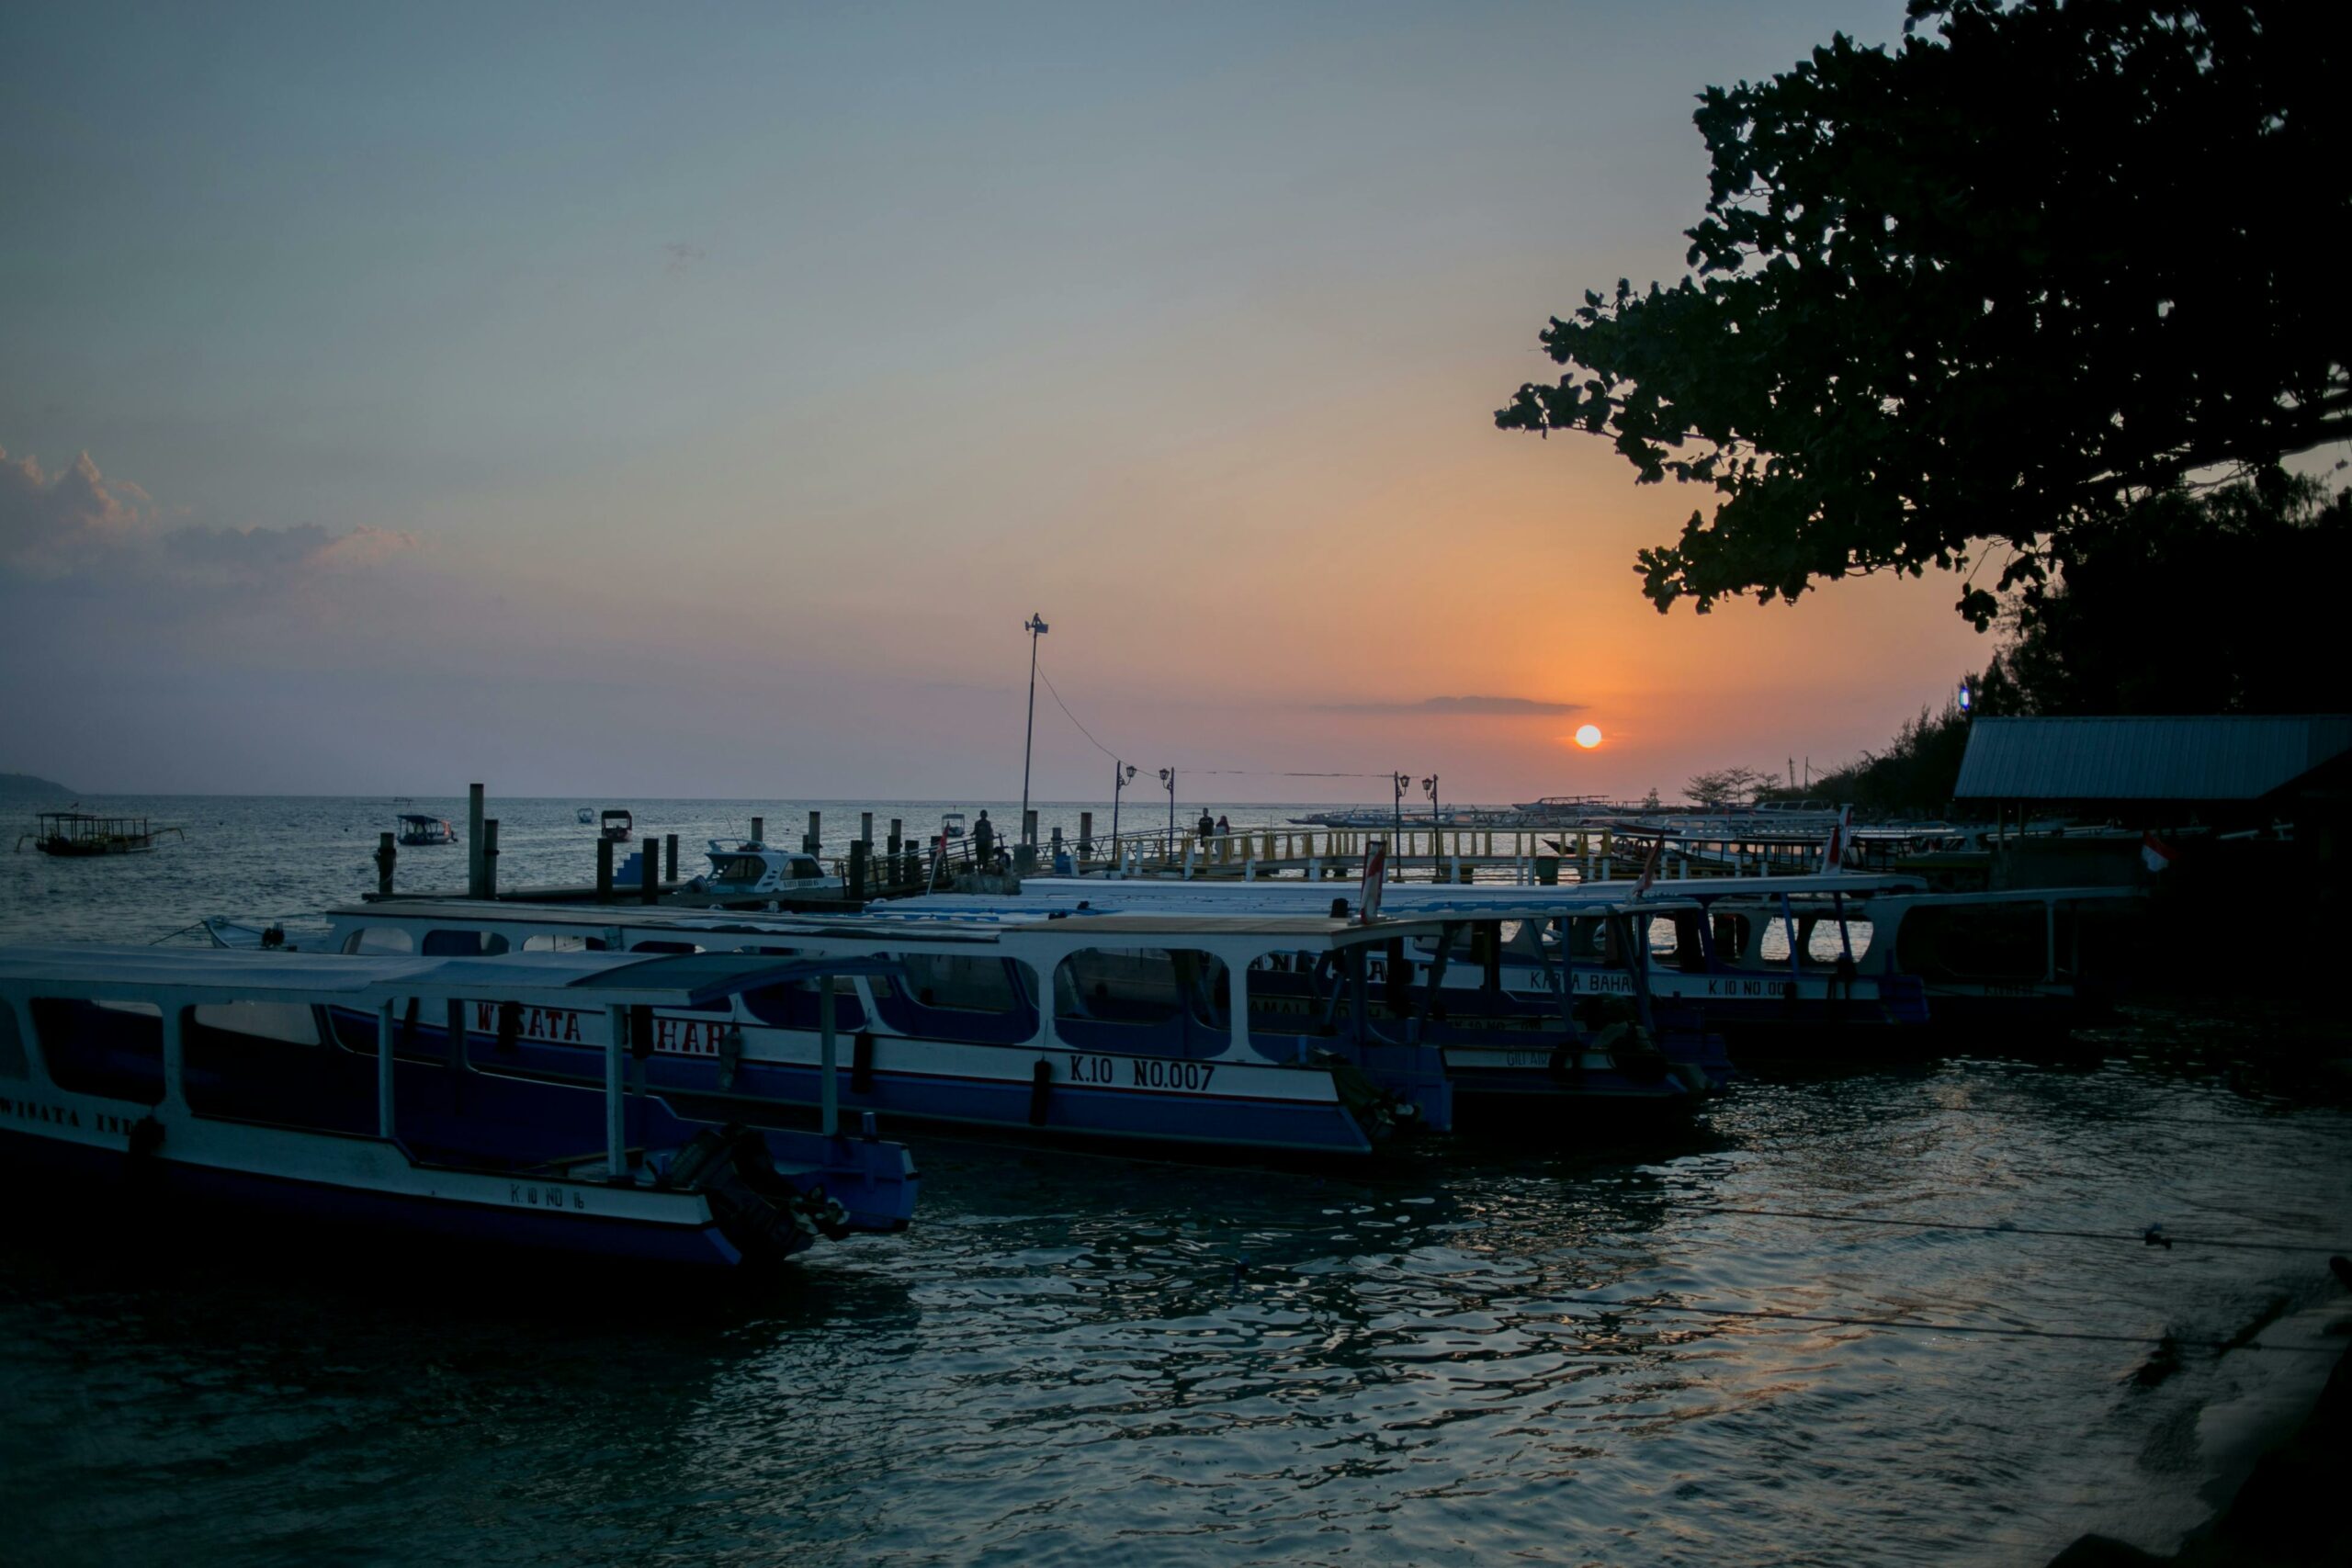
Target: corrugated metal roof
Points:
(2186, 757)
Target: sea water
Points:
(1462, 1352)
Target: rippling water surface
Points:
(1464, 1352)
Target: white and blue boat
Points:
(342, 1094)
(1128, 1030)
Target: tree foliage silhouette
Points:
(1974, 294)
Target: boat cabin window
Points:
(802, 866)
(794, 1005)
(955, 996)
(113, 1049)
(289, 1023)
(379, 939)
(463, 945)
(1971, 941)
(546, 942)
(736, 868)
(651, 945)
(13, 1064)
(1142, 998)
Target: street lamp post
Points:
(1035, 626)
(1428, 787)
(1168, 846)
(1401, 781)
(1122, 775)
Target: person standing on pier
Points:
(1207, 824)
(983, 842)
(1224, 828)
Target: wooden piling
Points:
(815, 835)
(604, 871)
(473, 840)
(388, 854)
(858, 849)
(489, 857)
(865, 830)
(669, 855)
(759, 830)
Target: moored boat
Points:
(421, 830)
(330, 1093)
(751, 871)
(83, 834)
(1139, 1030)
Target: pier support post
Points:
(858, 852)
(759, 830)
(473, 840)
(1024, 856)
(489, 857)
(648, 868)
(815, 835)
(866, 831)
(604, 871)
(1085, 836)
(895, 854)
(670, 857)
(387, 855)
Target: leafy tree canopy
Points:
(1985, 289)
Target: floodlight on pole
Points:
(1035, 626)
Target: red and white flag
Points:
(1833, 851)
(1376, 874)
(2155, 853)
(1649, 866)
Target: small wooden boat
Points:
(82, 833)
(336, 1094)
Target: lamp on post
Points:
(1402, 781)
(1428, 787)
(1122, 775)
(1035, 626)
(1966, 699)
(1168, 777)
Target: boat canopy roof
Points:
(559, 979)
(1136, 925)
(420, 817)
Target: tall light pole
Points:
(1402, 781)
(1428, 787)
(1122, 775)
(1035, 626)
(1168, 777)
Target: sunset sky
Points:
(694, 401)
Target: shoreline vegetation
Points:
(32, 786)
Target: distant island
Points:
(29, 786)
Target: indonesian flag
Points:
(1376, 872)
(1649, 866)
(2155, 853)
(1833, 851)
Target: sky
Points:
(695, 400)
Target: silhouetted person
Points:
(1224, 828)
(983, 842)
(1209, 824)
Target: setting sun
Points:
(1588, 736)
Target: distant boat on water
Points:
(586, 814)
(419, 830)
(82, 834)
(618, 825)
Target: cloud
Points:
(79, 522)
(53, 527)
(1448, 706)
